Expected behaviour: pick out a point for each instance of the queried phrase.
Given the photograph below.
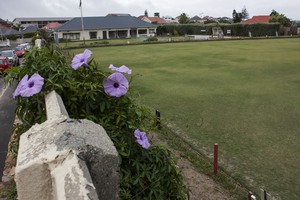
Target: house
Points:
(153, 20)
(169, 19)
(197, 19)
(51, 26)
(264, 19)
(4, 24)
(107, 27)
(40, 22)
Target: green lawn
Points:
(244, 95)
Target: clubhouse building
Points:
(108, 27)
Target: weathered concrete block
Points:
(67, 159)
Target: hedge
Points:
(239, 29)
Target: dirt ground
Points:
(201, 186)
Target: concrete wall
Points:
(65, 158)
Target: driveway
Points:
(7, 117)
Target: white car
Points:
(5, 44)
(25, 46)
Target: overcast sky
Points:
(11, 9)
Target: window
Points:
(93, 35)
(71, 36)
(142, 31)
(151, 31)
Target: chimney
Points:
(156, 14)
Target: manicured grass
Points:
(243, 95)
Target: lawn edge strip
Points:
(202, 163)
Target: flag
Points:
(80, 4)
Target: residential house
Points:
(154, 20)
(52, 26)
(107, 27)
(197, 19)
(4, 24)
(295, 28)
(40, 22)
(169, 19)
(264, 19)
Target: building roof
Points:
(52, 25)
(36, 19)
(107, 22)
(195, 18)
(156, 20)
(29, 29)
(257, 19)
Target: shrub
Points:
(146, 172)
(151, 39)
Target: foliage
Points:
(183, 29)
(236, 17)
(245, 14)
(280, 18)
(143, 171)
(236, 29)
(9, 192)
(28, 35)
(183, 19)
(151, 39)
(257, 30)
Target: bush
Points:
(151, 39)
(146, 173)
(237, 29)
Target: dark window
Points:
(93, 35)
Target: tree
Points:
(279, 18)
(245, 14)
(183, 19)
(146, 13)
(236, 17)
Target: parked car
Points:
(25, 46)
(5, 43)
(4, 64)
(11, 56)
(20, 51)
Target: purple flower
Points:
(116, 85)
(29, 87)
(141, 138)
(81, 59)
(20, 85)
(122, 69)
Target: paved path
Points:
(7, 117)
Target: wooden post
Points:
(216, 159)
(158, 124)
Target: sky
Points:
(11, 9)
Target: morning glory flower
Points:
(21, 83)
(29, 87)
(116, 85)
(81, 59)
(122, 69)
(141, 138)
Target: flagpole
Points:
(82, 26)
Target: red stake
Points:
(249, 195)
(216, 159)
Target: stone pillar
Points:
(38, 43)
(65, 158)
